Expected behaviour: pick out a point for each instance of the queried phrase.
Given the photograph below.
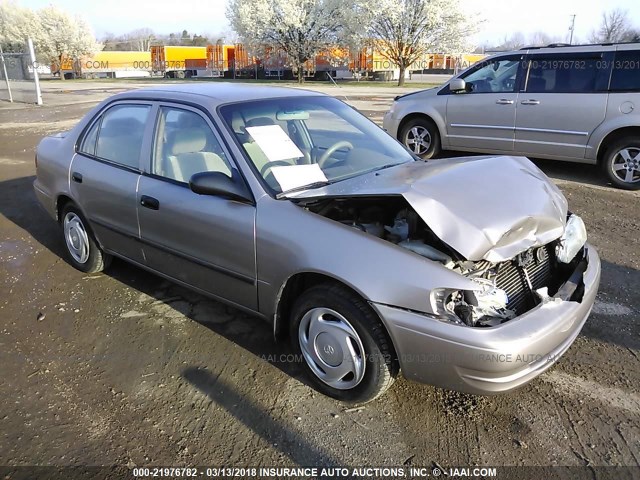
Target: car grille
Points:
(511, 278)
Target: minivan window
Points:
(185, 145)
(495, 76)
(626, 71)
(121, 134)
(562, 74)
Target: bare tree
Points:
(614, 27)
(514, 42)
(540, 39)
(142, 39)
(406, 30)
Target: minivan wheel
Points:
(621, 162)
(420, 135)
(342, 345)
(82, 249)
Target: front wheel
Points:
(82, 248)
(420, 135)
(621, 163)
(344, 348)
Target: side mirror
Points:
(457, 85)
(220, 185)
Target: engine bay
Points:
(505, 289)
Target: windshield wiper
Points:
(322, 183)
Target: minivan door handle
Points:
(530, 102)
(504, 101)
(149, 202)
(76, 177)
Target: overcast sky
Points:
(500, 18)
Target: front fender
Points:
(291, 240)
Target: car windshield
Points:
(305, 142)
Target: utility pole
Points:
(573, 24)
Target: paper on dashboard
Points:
(297, 175)
(274, 142)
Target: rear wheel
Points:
(343, 346)
(82, 249)
(621, 163)
(420, 135)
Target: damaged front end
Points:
(506, 288)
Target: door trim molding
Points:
(216, 268)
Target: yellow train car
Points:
(117, 64)
(107, 64)
(171, 60)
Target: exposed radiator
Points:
(512, 280)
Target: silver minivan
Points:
(574, 103)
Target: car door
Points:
(564, 100)
(207, 242)
(105, 171)
(483, 117)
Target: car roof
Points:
(219, 92)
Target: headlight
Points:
(572, 240)
(485, 306)
(393, 108)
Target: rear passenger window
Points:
(185, 145)
(626, 72)
(562, 74)
(121, 133)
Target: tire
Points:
(83, 251)
(428, 145)
(621, 163)
(347, 334)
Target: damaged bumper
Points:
(496, 359)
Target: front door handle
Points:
(504, 101)
(149, 202)
(530, 102)
(76, 177)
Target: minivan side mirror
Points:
(457, 85)
(220, 185)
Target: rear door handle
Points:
(504, 101)
(149, 202)
(530, 102)
(76, 177)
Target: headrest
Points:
(237, 122)
(187, 140)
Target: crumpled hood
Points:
(489, 208)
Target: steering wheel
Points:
(332, 149)
(267, 166)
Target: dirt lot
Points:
(126, 368)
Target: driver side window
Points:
(186, 145)
(494, 76)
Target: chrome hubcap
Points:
(332, 348)
(626, 164)
(76, 237)
(418, 140)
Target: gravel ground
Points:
(125, 368)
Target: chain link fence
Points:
(19, 81)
